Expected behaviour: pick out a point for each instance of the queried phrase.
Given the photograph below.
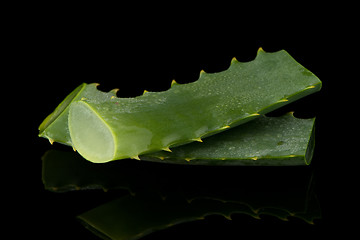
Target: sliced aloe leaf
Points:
(105, 128)
(266, 141)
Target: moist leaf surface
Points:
(191, 112)
(266, 141)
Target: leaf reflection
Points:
(162, 195)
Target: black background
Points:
(53, 52)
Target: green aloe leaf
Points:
(104, 128)
(266, 141)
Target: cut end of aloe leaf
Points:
(90, 135)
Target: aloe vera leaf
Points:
(120, 128)
(55, 126)
(266, 141)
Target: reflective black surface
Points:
(325, 190)
(160, 197)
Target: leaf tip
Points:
(233, 60)
(283, 100)
(291, 113)
(254, 115)
(114, 91)
(51, 141)
(197, 139)
(173, 82)
(95, 84)
(167, 149)
(228, 217)
(224, 127)
(310, 87)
